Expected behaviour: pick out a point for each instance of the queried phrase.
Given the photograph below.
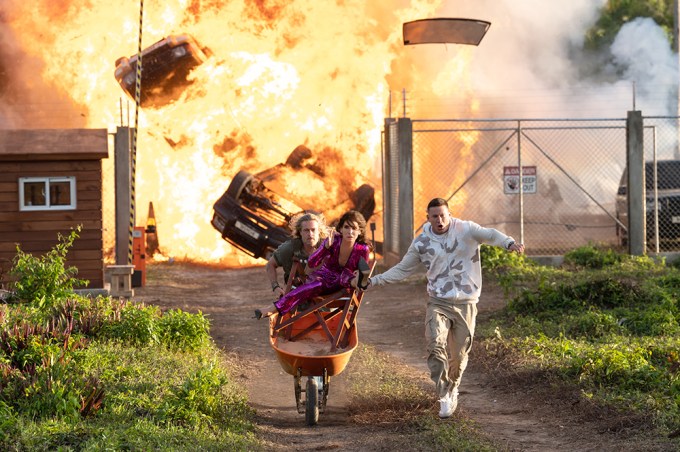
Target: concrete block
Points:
(120, 278)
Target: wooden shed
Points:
(51, 182)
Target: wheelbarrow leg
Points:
(324, 390)
(298, 392)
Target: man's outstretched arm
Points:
(408, 264)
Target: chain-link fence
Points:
(662, 184)
(573, 191)
(571, 172)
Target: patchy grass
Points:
(604, 326)
(383, 391)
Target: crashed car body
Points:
(165, 67)
(255, 219)
(668, 206)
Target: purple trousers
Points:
(304, 292)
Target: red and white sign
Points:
(511, 179)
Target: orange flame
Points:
(283, 73)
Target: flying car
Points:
(165, 67)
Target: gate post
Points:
(122, 192)
(397, 189)
(635, 156)
(405, 184)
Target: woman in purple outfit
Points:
(338, 261)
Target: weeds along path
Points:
(391, 319)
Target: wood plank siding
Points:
(53, 153)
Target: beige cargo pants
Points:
(449, 330)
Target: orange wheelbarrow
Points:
(315, 343)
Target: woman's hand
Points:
(331, 236)
(354, 282)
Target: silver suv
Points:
(668, 207)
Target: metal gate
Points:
(571, 170)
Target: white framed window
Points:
(47, 193)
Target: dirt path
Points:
(391, 319)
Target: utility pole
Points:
(676, 38)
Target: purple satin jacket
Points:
(329, 277)
(331, 273)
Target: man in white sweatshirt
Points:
(449, 249)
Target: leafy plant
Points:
(592, 257)
(137, 324)
(45, 280)
(197, 402)
(53, 390)
(628, 367)
(183, 330)
(494, 257)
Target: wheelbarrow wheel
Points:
(312, 401)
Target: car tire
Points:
(363, 199)
(297, 158)
(621, 236)
(238, 184)
(122, 60)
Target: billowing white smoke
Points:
(642, 51)
(530, 64)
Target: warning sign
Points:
(511, 179)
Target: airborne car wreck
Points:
(254, 218)
(165, 67)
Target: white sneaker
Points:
(448, 404)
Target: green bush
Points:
(45, 280)
(54, 390)
(592, 257)
(626, 367)
(9, 423)
(197, 402)
(142, 325)
(652, 321)
(494, 257)
(137, 325)
(592, 324)
(183, 330)
(583, 294)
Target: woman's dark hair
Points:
(354, 217)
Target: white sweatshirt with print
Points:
(454, 270)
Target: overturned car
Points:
(254, 217)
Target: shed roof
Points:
(53, 144)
